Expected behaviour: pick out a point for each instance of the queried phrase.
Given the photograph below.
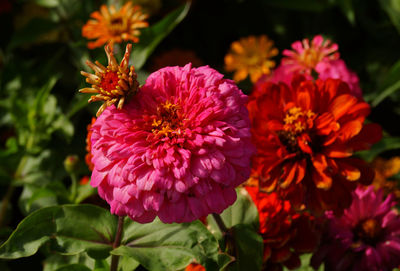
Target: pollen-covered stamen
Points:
(113, 84)
(168, 121)
(296, 122)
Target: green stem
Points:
(220, 223)
(117, 242)
(18, 174)
(74, 183)
(11, 188)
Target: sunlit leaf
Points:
(74, 228)
(159, 246)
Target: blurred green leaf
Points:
(159, 246)
(33, 30)
(392, 8)
(73, 267)
(101, 265)
(300, 5)
(305, 264)
(386, 144)
(84, 191)
(243, 211)
(347, 9)
(150, 37)
(248, 247)
(74, 229)
(47, 3)
(388, 85)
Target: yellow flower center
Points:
(297, 120)
(368, 231)
(311, 57)
(168, 120)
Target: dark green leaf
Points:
(348, 10)
(150, 37)
(392, 8)
(159, 246)
(386, 144)
(32, 31)
(243, 211)
(300, 5)
(74, 228)
(248, 246)
(390, 83)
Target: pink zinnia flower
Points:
(366, 237)
(320, 56)
(177, 150)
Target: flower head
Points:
(177, 151)
(195, 267)
(365, 237)
(250, 56)
(88, 156)
(286, 234)
(320, 57)
(305, 136)
(113, 84)
(384, 169)
(114, 26)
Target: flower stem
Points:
(220, 223)
(74, 181)
(117, 242)
(10, 191)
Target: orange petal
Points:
(341, 105)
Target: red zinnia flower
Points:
(305, 136)
(286, 234)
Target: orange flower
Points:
(250, 56)
(384, 169)
(111, 25)
(113, 84)
(195, 267)
(305, 136)
(286, 234)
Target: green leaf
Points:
(389, 84)
(305, 264)
(73, 228)
(150, 37)
(32, 31)
(47, 3)
(127, 263)
(300, 5)
(348, 10)
(386, 144)
(84, 191)
(248, 247)
(55, 261)
(73, 267)
(243, 211)
(159, 246)
(392, 8)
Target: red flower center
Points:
(168, 120)
(109, 81)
